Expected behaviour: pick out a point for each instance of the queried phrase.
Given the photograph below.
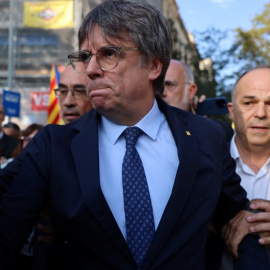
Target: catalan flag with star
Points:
(54, 115)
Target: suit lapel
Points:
(84, 147)
(188, 154)
(85, 152)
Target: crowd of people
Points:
(135, 179)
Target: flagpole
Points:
(77, 21)
(10, 45)
(10, 48)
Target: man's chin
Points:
(69, 119)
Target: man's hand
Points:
(47, 230)
(195, 101)
(260, 221)
(239, 226)
(234, 231)
(3, 160)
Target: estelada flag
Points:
(54, 115)
(49, 14)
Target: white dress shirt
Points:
(256, 185)
(159, 156)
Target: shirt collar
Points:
(234, 150)
(236, 156)
(149, 125)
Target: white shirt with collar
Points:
(158, 152)
(256, 185)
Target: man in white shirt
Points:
(250, 146)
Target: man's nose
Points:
(164, 94)
(93, 70)
(261, 110)
(69, 100)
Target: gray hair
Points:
(243, 74)
(141, 24)
(188, 73)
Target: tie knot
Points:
(132, 134)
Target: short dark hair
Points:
(31, 128)
(12, 125)
(142, 24)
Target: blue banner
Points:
(11, 103)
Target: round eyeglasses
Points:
(77, 93)
(107, 58)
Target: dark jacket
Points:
(61, 169)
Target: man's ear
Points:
(230, 108)
(156, 67)
(192, 90)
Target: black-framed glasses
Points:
(107, 58)
(170, 85)
(77, 93)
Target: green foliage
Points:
(248, 49)
(253, 45)
(212, 44)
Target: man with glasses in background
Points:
(74, 102)
(72, 94)
(112, 208)
(180, 88)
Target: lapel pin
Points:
(188, 133)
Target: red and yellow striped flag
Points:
(54, 116)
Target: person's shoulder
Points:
(227, 127)
(175, 114)
(193, 119)
(9, 139)
(53, 130)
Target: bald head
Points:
(250, 110)
(179, 85)
(243, 75)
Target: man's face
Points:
(251, 110)
(175, 91)
(72, 108)
(124, 94)
(11, 132)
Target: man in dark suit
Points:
(77, 171)
(7, 143)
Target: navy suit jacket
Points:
(7, 145)
(61, 170)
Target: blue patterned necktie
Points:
(140, 224)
